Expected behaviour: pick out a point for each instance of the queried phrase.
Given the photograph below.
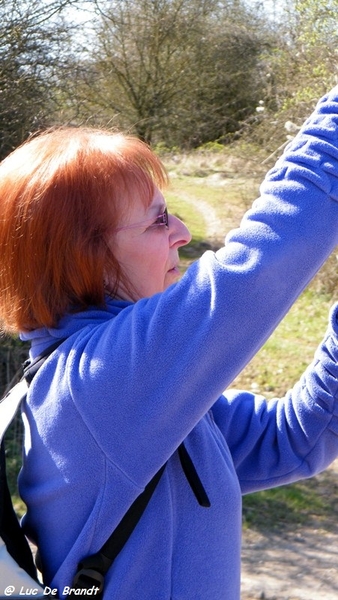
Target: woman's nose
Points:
(179, 233)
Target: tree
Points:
(304, 61)
(300, 64)
(224, 85)
(30, 40)
(317, 40)
(176, 71)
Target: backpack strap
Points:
(9, 405)
(11, 533)
(30, 368)
(193, 477)
(92, 569)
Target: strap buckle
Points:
(87, 578)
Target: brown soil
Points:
(295, 562)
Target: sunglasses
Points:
(162, 219)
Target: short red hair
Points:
(60, 193)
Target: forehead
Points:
(140, 208)
(157, 203)
(151, 205)
(141, 215)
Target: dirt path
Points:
(210, 216)
(215, 226)
(295, 563)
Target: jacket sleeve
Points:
(280, 441)
(169, 357)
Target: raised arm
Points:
(174, 353)
(283, 440)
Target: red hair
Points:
(60, 193)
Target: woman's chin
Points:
(172, 276)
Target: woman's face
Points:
(147, 248)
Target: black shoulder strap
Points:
(30, 368)
(10, 529)
(92, 569)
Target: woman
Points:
(89, 256)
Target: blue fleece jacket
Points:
(116, 399)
